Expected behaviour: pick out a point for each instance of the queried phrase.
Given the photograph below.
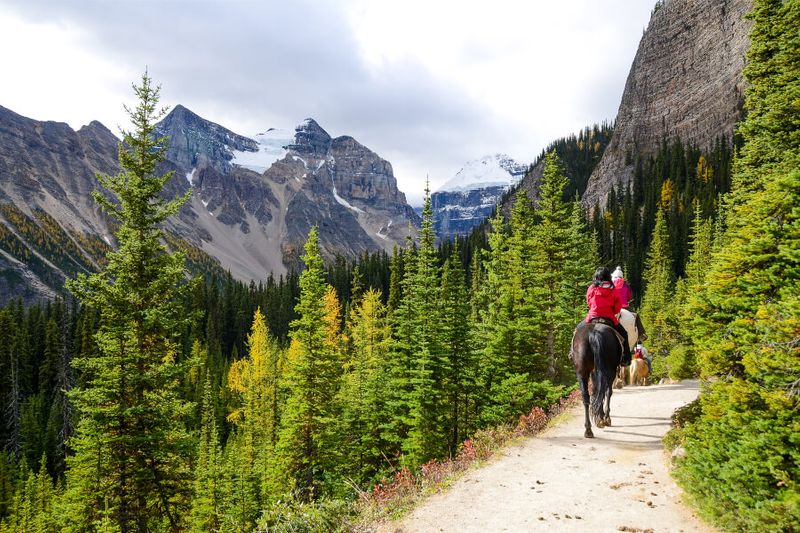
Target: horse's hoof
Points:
(588, 434)
(607, 422)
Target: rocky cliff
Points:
(685, 81)
(253, 201)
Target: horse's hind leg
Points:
(585, 393)
(607, 417)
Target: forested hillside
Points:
(161, 404)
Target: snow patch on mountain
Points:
(489, 171)
(342, 201)
(271, 148)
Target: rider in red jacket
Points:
(604, 302)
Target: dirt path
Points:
(559, 481)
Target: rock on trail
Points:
(560, 481)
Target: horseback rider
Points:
(640, 352)
(604, 302)
(626, 294)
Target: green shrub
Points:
(317, 517)
(681, 362)
(743, 458)
(516, 395)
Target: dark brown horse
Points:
(596, 351)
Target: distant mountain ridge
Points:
(251, 223)
(467, 198)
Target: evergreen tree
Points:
(305, 448)
(363, 394)
(514, 351)
(559, 242)
(742, 463)
(656, 307)
(681, 361)
(130, 466)
(427, 370)
(208, 490)
(458, 350)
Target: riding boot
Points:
(626, 348)
(640, 328)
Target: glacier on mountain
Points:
(271, 147)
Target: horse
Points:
(596, 351)
(638, 372)
(628, 321)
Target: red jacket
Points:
(625, 293)
(603, 301)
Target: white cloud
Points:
(426, 84)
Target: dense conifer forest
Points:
(154, 400)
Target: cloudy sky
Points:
(427, 84)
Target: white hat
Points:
(617, 274)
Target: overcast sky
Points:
(426, 84)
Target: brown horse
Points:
(638, 372)
(596, 351)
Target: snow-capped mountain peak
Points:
(489, 171)
(271, 147)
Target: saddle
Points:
(606, 321)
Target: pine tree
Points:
(657, 301)
(580, 260)
(394, 283)
(305, 450)
(742, 463)
(567, 257)
(130, 466)
(458, 350)
(683, 354)
(256, 379)
(364, 388)
(427, 370)
(206, 510)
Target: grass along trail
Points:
(560, 481)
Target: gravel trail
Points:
(560, 481)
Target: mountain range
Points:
(253, 199)
(467, 198)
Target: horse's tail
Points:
(599, 378)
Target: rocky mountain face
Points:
(469, 197)
(685, 82)
(253, 201)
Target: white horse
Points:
(628, 321)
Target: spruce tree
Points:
(427, 369)
(306, 450)
(567, 257)
(457, 345)
(206, 510)
(130, 467)
(364, 388)
(742, 461)
(656, 307)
